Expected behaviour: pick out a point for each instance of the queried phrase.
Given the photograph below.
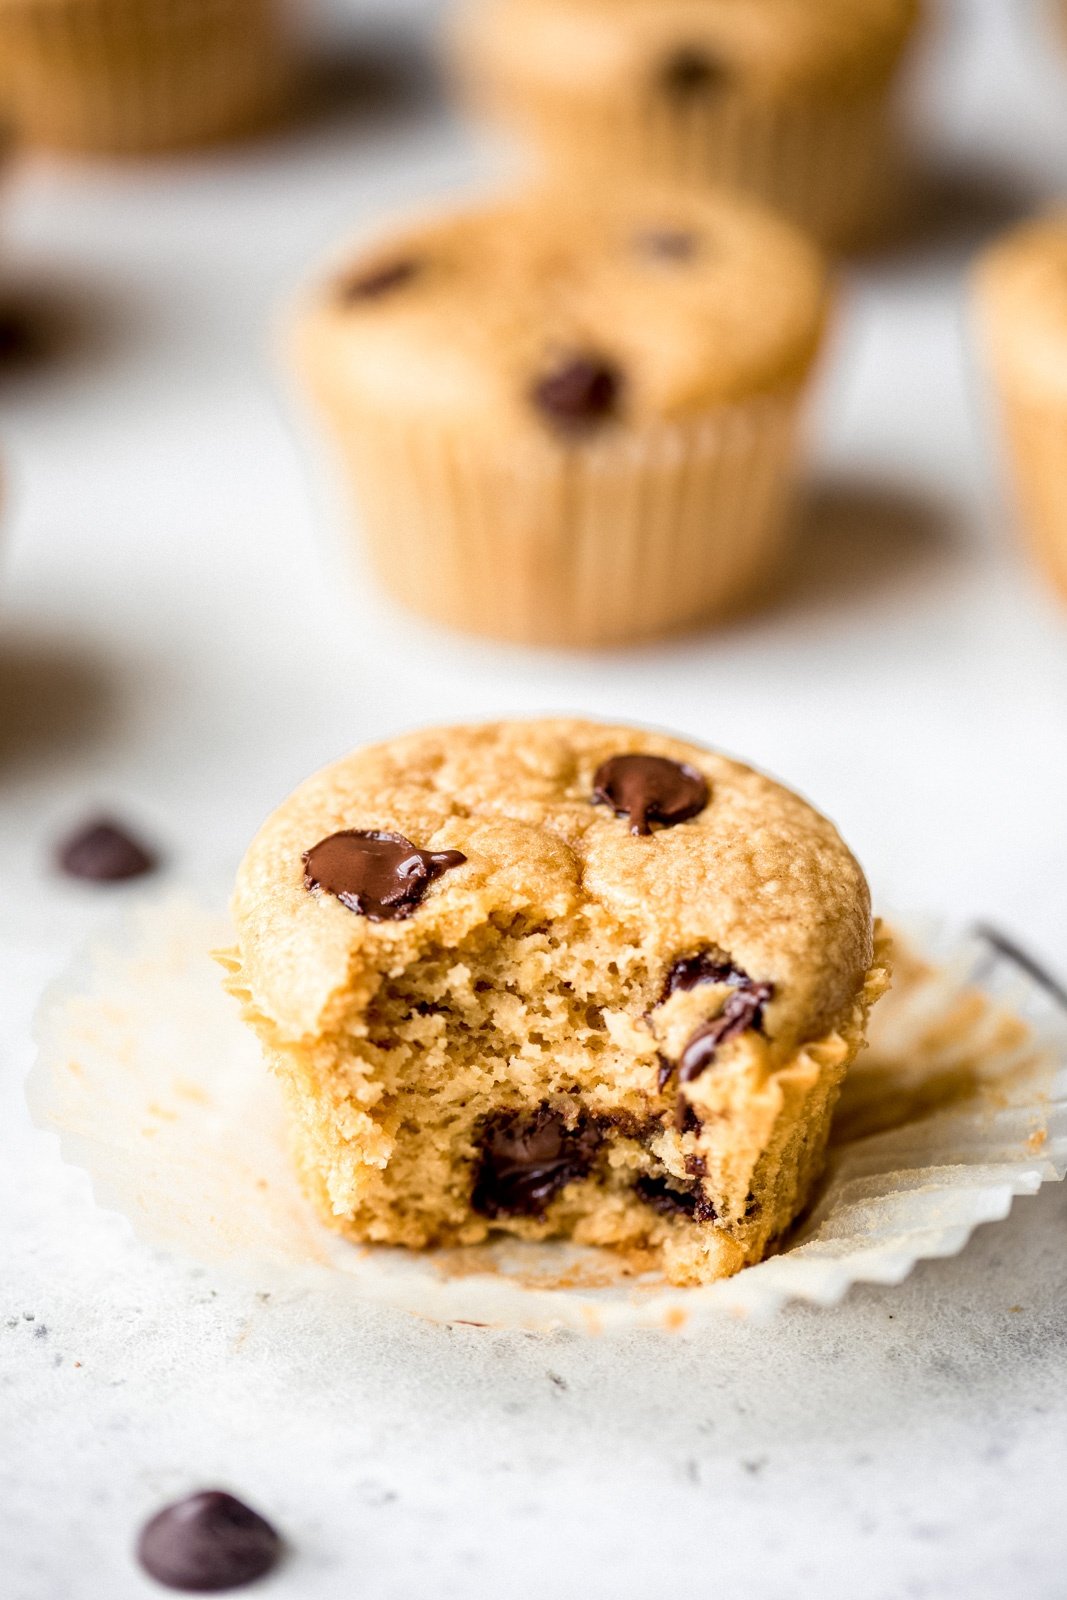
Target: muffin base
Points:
(396, 1111)
(631, 535)
(1037, 439)
(834, 167)
(130, 77)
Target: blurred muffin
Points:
(571, 419)
(788, 100)
(1022, 298)
(139, 76)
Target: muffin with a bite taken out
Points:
(556, 979)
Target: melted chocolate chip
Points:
(207, 1543)
(685, 1117)
(662, 1196)
(104, 852)
(704, 967)
(650, 789)
(667, 244)
(664, 1072)
(692, 72)
(382, 876)
(578, 393)
(526, 1159)
(742, 1011)
(378, 281)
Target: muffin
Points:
(556, 979)
(571, 419)
(1022, 301)
(787, 100)
(130, 77)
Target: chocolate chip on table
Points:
(691, 72)
(742, 1011)
(206, 1543)
(381, 876)
(104, 852)
(377, 281)
(578, 393)
(650, 789)
(526, 1159)
(663, 1197)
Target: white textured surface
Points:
(176, 637)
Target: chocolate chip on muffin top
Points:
(650, 789)
(382, 876)
(578, 392)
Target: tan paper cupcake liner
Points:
(136, 76)
(160, 1093)
(630, 536)
(1037, 439)
(835, 168)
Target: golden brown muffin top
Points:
(766, 48)
(1022, 291)
(490, 317)
(755, 874)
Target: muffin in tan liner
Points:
(156, 1089)
(1021, 286)
(571, 419)
(129, 77)
(787, 100)
(557, 980)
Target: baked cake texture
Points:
(571, 419)
(790, 101)
(556, 979)
(1022, 298)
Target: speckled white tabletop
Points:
(178, 640)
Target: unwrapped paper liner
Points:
(159, 1092)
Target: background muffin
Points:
(137, 76)
(1022, 299)
(556, 978)
(571, 419)
(788, 100)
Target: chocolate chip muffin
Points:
(556, 979)
(1021, 288)
(128, 77)
(571, 420)
(788, 100)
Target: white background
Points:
(180, 640)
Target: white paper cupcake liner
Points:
(159, 1092)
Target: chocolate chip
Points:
(691, 72)
(578, 393)
(526, 1159)
(742, 1011)
(704, 967)
(376, 282)
(103, 852)
(685, 1116)
(381, 876)
(669, 1201)
(667, 244)
(208, 1542)
(664, 1072)
(650, 789)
